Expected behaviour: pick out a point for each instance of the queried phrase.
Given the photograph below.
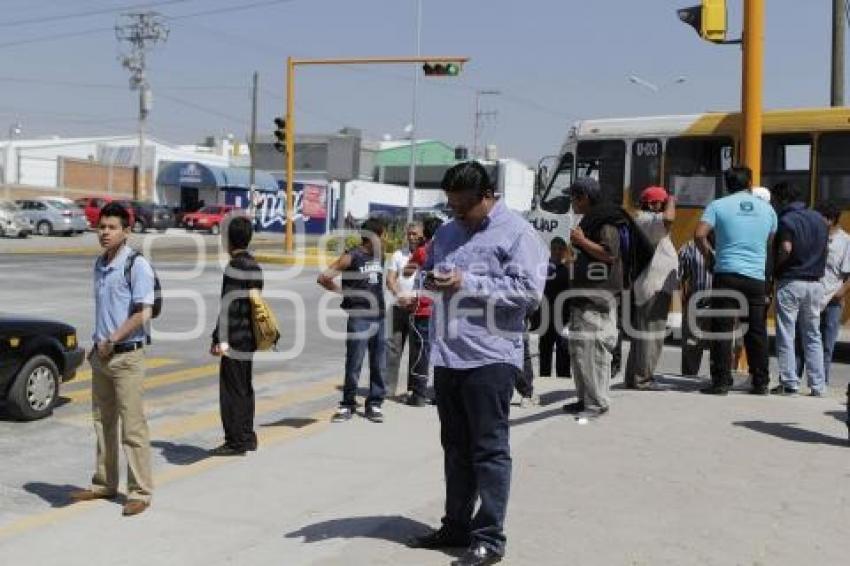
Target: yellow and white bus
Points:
(688, 154)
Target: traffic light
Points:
(441, 69)
(708, 19)
(280, 134)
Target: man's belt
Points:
(125, 347)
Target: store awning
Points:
(197, 175)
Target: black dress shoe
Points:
(574, 407)
(226, 450)
(477, 555)
(759, 390)
(715, 390)
(441, 538)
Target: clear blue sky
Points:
(554, 60)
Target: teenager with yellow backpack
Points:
(245, 325)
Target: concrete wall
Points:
(97, 178)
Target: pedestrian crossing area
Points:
(182, 409)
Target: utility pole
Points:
(411, 177)
(480, 115)
(141, 31)
(839, 13)
(253, 174)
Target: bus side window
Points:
(605, 161)
(695, 169)
(787, 158)
(646, 166)
(556, 200)
(833, 181)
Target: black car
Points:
(151, 216)
(35, 356)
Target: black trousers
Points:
(236, 402)
(753, 292)
(549, 341)
(525, 378)
(474, 407)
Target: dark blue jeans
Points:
(474, 406)
(365, 334)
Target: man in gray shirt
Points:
(488, 268)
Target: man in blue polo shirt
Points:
(802, 242)
(743, 226)
(123, 303)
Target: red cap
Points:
(653, 194)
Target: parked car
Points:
(12, 221)
(91, 207)
(35, 356)
(53, 217)
(163, 218)
(208, 218)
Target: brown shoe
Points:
(89, 495)
(134, 507)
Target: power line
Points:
(204, 109)
(92, 31)
(98, 12)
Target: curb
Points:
(299, 260)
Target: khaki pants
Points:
(117, 391)
(593, 335)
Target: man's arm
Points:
(136, 321)
(591, 248)
(392, 282)
(701, 240)
(669, 214)
(327, 278)
(785, 248)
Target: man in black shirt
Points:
(802, 240)
(237, 346)
(361, 272)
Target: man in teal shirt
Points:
(743, 227)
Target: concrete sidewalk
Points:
(668, 477)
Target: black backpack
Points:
(156, 310)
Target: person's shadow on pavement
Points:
(180, 454)
(787, 431)
(392, 528)
(56, 495)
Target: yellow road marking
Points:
(154, 382)
(267, 437)
(150, 363)
(209, 419)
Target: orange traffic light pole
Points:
(752, 86)
(291, 63)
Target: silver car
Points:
(50, 217)
(12, 221)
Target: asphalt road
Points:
(668, 478)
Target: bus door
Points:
(552, 217)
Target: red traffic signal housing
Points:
(441, 69)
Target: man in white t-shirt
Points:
(649, 320)
(403, 299)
